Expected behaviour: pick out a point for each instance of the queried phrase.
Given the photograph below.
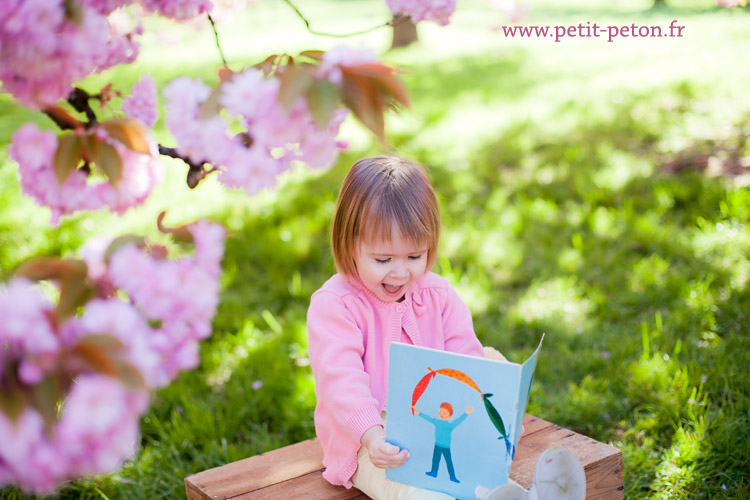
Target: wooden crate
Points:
(295, 471)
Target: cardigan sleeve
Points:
(458, 326)
(336, 347)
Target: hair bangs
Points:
(396, 211)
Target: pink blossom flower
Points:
(25, 325)
(251, 95)
(105, 6)
(42, 52)
(514, 11)
(121, 320)
(26, 331)
(142, 101)
(99, 426)
(182, 295)
(277, 137)
(178, 9)
(121, 49)
(438, 11)
(728, 3)
(30, 460)
(321, 149)
(34, 151)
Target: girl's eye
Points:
(415, 257)
(382, 261)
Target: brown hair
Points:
(448, 407)
(376, 194)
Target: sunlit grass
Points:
(557, 218)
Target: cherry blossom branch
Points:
(61, 123)
(79, 100)
(398, 19)
(218, 45)
(196, 172)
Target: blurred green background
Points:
(594, 191)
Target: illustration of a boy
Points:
(443, 429)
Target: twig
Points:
(395, 21)
(61, 124)
(218, 45)
(79, 99)
(196, 172)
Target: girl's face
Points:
(388, 268)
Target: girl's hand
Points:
(382, 454)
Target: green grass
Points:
(558, 218)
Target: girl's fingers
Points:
(390, 449)
(389, 461)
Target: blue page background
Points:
(479, 457)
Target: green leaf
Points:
(12, 403)
(75, 291)
(295, 82)
(129, 374)
(362, 98)
(90, 147)
(73, 12)
(384, 79)
(130, 132)
(121, 241)
(45, 396)
(99, 353)
(322, 99)
(268, 64)
(109, 162)
(67, 156)
(104, 354)
(211, 107)
(47, 268)
(313, 54)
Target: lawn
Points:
(594, 191)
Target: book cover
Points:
(459, 416)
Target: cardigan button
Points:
(399, 308)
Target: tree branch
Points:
(216, 36)
(196, 172)
(396, 20)
(79, 99)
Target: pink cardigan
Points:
(349, 330)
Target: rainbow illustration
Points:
(492, 412)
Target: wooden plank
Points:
(296, 471)
(602, 463)
(311, 486)
(259, 471)
(533, 424)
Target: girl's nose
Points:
(399, 270)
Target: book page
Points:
(477, 445)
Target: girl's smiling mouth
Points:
(392, 290)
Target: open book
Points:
(459, 416)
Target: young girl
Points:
(384, 238)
